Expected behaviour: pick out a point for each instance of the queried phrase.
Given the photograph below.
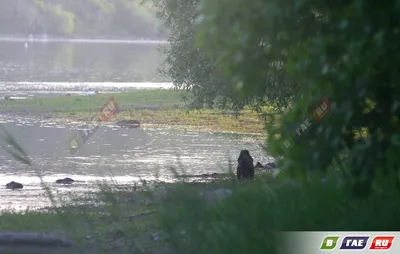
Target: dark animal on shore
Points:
(269, 167)
(245, 168)
(258, 166)
(66, 180)
(14, 185)
(128, 123)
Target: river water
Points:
(126, 154)
(48, 68)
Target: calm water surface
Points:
(36, 68)
(80, 62)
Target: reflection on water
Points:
(91, 41)
(127, 154)
(51, 89)
(78, 62)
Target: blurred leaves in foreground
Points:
(291, 54)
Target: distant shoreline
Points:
(82, 40)
(151, 108)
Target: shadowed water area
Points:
(126, 154)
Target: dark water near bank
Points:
(127, 154)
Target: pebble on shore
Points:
(14, 185)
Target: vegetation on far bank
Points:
(150, 107)
(84, 18)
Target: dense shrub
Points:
(250, 219)
(346, 51)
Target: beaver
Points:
(259, 166)
(128, 123)
(245, 168)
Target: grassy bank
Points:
(109, 227)
(182, 220)
(150, 107)
(79, 103)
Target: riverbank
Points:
(162, 107)
(108, 224)
(117, 218)
(223, 216)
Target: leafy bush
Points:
(346, 51)
(196, 68)
(248, 221)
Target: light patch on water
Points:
(43, 86)
(206, 145)
(82, 40)
(81, 158)
(87, 163)
(30, 182)
(17, 199)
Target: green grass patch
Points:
(69, 104)
(119, 223)
(168, 110)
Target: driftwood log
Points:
(140, 214)
(32, 243)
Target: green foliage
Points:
(345, 50)
(250, 220)
(192, 67)
(189, 67)
(59, 21)
(78, 18)
(242, 33)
